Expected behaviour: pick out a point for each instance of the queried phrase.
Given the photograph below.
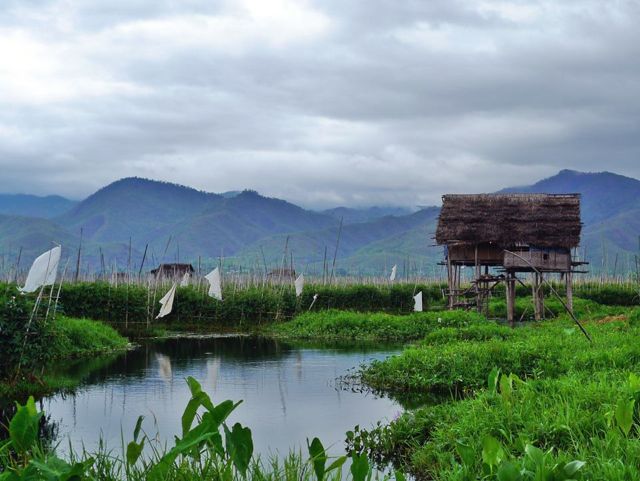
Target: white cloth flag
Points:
(394, 269)
(299, 283)
(417, 302)
(44, 270)
(215, 284)
(167, 302)
(185, 280)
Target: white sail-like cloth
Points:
(167, 302)
(417, 302)
(215, 284)
(185, 279)
(394, 269)
(44, 270)
(299, 283)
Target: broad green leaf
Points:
(508, 472)
(573, 467)
(318, 457)
(466, 453)
(506, 386)
(56, 469)
(399, 475)
(134, 450)
(492, 452)
(624, 415)
(360, 467)
(136, 430)
(634, 382)
(492, 381)
(23, 427)
(239, 446)
(337, 464)
(536, 455)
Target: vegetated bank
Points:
(335, 325)
(536, 402)
(30, 341)
(132, 308)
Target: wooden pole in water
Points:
(335, 253)
(75, 279)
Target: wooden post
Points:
(450, 282)
(538, 297)
(511, 297)
(568, 277)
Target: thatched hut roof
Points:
(509, 220)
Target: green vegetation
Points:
(346, 325)
(242, 308)
(208, 448)
(29, 342)
(537, 402)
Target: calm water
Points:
(289, 392)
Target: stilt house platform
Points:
(512, 234)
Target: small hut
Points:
(512, 233)
(172, 271)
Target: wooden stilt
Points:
(511, 297)
(568, 277)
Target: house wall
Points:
(465, 254)
(541, 259)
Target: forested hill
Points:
(179, 222)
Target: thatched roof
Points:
(508, 220)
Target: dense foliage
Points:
(538, 402)
(338, 325)
(22, 343)
(246, 307)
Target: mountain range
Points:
(177, 223)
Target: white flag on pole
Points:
(167, 302)
(299, 283)
(394, 269)
(44, 270)
(185, 279)
(417, 302)
(215, 284)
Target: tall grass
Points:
(348, 325)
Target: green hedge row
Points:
(241, 307)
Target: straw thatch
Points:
(509, 220)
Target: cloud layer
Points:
(323, 103)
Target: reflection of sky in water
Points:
(288, 394)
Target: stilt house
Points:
(172, 271)
(513, 234)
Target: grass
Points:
(527, 403)
(348, 325)
(70, 338)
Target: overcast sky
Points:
(322, 103)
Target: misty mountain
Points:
(354, 215)
(249, 230)
(34, 206)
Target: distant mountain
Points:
(190, 222)
(248, 229)
(604, 194)
(34, 206)
(353, 215)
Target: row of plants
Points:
(241, 308)
(208, 448)
(334, 325)
(134, 305)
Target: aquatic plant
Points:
(208, 448)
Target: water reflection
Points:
(288, 391)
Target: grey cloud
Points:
(378, 102)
